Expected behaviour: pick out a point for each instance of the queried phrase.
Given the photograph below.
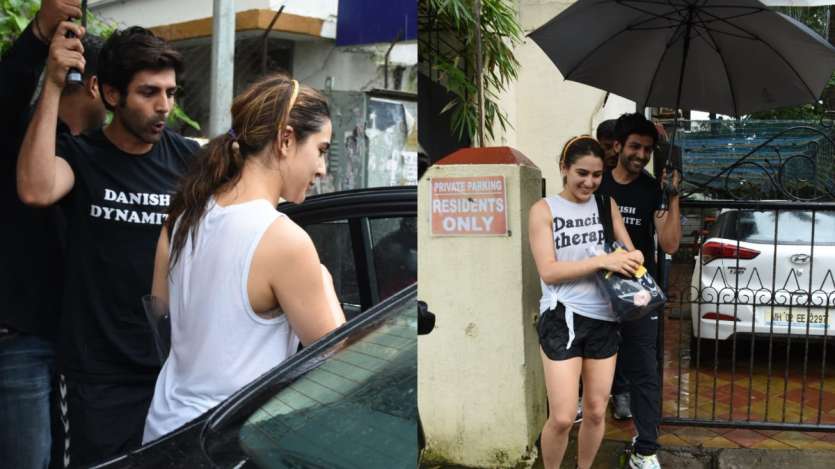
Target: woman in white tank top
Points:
(243, 282)
(577, 332)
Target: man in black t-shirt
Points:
(636, 386)
(113, 185)
(605, 134)
(30, 271)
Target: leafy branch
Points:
(15, 16)
(448, 52)
(818, 19)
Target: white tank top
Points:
(577, 231)
(218, 343)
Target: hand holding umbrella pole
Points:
(74, 76)
(669, 185)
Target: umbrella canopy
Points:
(726, 56)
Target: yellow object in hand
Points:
(639, 272)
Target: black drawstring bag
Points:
(631, 297)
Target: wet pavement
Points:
(797, 387)
(778, 383)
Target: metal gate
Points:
(748, 338)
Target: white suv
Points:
(746, 282)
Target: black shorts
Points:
(593, 338)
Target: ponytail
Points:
(217, 165)
(259, 116)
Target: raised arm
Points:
(668, 223)
(43, 178)
(23, 63)
(301, 285)
(553, 271)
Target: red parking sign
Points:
(469, 206)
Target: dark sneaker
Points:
(620, 407)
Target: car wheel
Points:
(707, 350)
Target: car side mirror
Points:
(426, 320)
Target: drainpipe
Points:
(223, 66)
(265, 41)
(388, 52)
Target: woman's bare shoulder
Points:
(286, 240)
(540, 210)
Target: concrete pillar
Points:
(481, 393)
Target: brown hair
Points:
(578, 146)
(126, 53)
(581, 145)
(259, 116)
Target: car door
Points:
(347, 401)
(366, 238)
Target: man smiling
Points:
(636, 389)
(106, 349)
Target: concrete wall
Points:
(358, 68)
(149, 13)
(544, 109)
(480, 390)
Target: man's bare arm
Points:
(668, 224)
(43, 178)
(159, 282)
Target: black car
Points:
(350, 399)
(367, 239)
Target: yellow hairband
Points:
(568, 144)
(292, 102)
(293, 96)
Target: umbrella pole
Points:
(668, 166)
(663, 274)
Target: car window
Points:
(357, 409)
(333, 242)
(716, 229)
(793, 227)
(394, 248)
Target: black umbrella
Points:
(725, 56)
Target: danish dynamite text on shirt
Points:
(128, 215)
(140, 198)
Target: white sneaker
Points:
(637, 461)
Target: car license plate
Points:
(798, 317)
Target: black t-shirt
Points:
(638, 202)
(30, 273)
(114, 216)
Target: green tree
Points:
(447, 53)
(818, 19)
(15, 16)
